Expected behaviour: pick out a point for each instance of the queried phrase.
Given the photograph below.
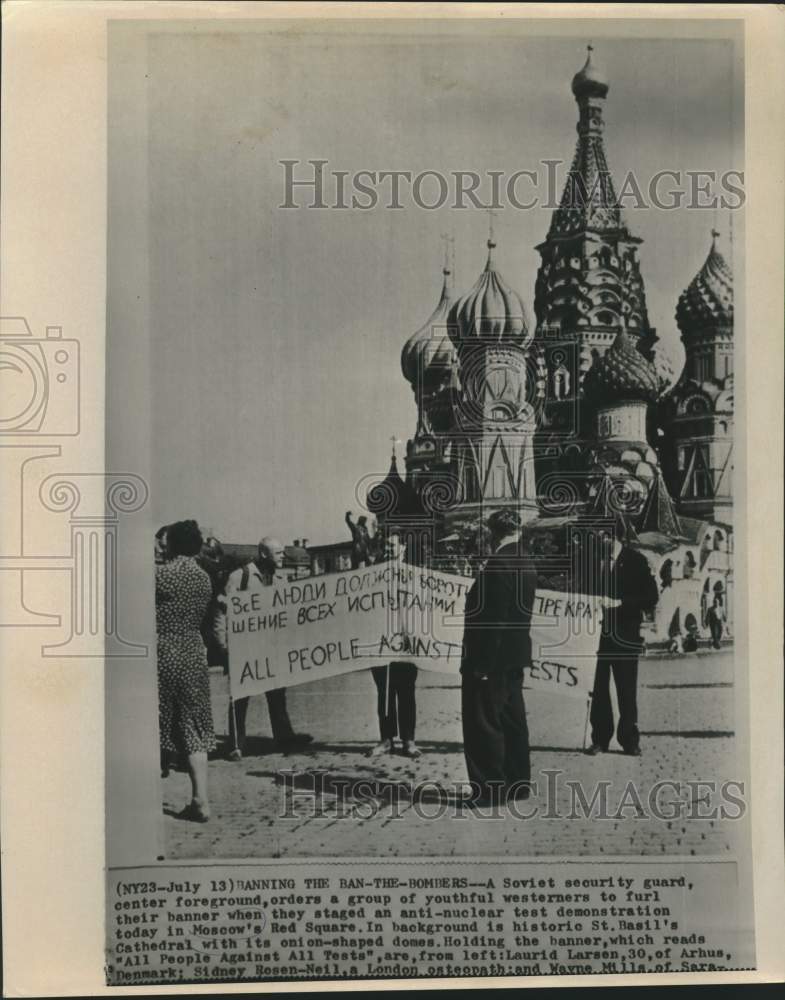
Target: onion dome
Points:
(431, 335)
(589, 82)
(490, 311)
(622, 374)
(708, 299)
(440, 363)
(392, 495)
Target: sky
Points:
(276, 383)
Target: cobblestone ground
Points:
(687, 714)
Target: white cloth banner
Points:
(318, 627)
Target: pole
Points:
(586, 724)
(234, 721)
(387, 691)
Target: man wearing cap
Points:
(264, 571)
(496, 648)
(628, 581)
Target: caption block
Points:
(390, 920)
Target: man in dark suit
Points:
(626, 578)
(496, 648)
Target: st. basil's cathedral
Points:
(573, 418)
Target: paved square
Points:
(687, 710)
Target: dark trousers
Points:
(716, 632)
(279, 718)
(495, 734)
(625, 677)
(395, 702)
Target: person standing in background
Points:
(361, 541)
(715, 619)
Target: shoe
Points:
(294, 740)
(235, 754)
(596, 748)
(633, 752)
(410, 749)
(195, 812)
(386, 746)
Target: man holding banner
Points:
(497, 647)
(395, 687)
(264, 572)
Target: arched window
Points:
(696, 404)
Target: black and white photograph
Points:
(420, 563)
(441, 443)
(527, 362)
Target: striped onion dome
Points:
(622, 374)
(428, 340)
(708, 299)
(490, 312)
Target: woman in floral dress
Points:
(182, 594)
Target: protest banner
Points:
(306, 630)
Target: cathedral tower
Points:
(494, 413)
(429, 363)
(589, 287)
(697, 453)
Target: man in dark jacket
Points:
(626, 578)
(496, 648)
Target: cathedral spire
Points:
(589, 282)
(424, 341)
(491, 244)
(589, 200)
(589, 81)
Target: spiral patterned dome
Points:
(418, 349)
(589, 81)
(622, 374)
(490, 311)
(708, 299)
